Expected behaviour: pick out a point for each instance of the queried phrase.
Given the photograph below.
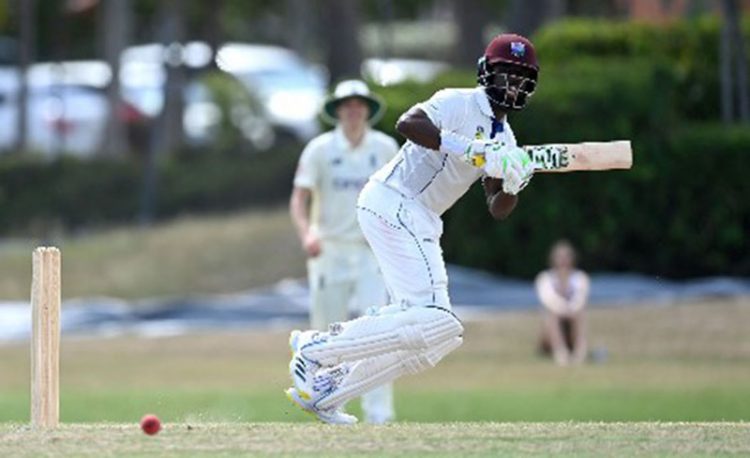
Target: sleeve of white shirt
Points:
(445, 108)
(308, 172)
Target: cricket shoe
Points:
(309, 378)
(330, 416)
(302, 369)
(313, 382)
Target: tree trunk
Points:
(740, 58)
(213, 28)
(733, 61)
(526, 16)
(341, 34)
(117, 15)
(471, 18)
(300, 37)
(168, 137)
(170, 132)
(27, 46)
(725, 71)
(386, 30)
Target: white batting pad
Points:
(362, 376)
(415, 328)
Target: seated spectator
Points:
(563, 290)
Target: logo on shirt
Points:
(337, 161)
(348, 183)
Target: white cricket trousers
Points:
(405, 238)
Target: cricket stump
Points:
(45, 338)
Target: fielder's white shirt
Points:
(437, 180)
(336, 172)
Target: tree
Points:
(526, 16)
(733, 55)
(27, 46)
(115, 34)
(173, 36)
(340, 33)
(300, 27)
(471, 19)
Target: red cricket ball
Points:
(150, 424)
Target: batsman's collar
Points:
(349, 89)
(480, 96)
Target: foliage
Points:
(691, 47)
(681, 211)
(38, 195)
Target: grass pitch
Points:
(404, 439)
(221, 394)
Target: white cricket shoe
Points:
(330, 416)
(302, 370)
(311, 381)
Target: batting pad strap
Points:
(363, 376)
(416, 328)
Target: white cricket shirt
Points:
(336, 172)
(437, 179)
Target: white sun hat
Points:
(348, 89)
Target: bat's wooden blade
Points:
(581, 156)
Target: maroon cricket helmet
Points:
(511, 49)
(509, 71)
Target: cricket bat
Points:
(575, 157)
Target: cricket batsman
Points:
(453, 139)
(344, 276)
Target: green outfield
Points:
(677, 363)
(220, 394)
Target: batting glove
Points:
(511, 164)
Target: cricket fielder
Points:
(455, 138)
(344, 276)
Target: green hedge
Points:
(38, 195)
(691, 47)
(603, 99)
(683, 210)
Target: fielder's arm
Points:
(499, 204)
(299, 210)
